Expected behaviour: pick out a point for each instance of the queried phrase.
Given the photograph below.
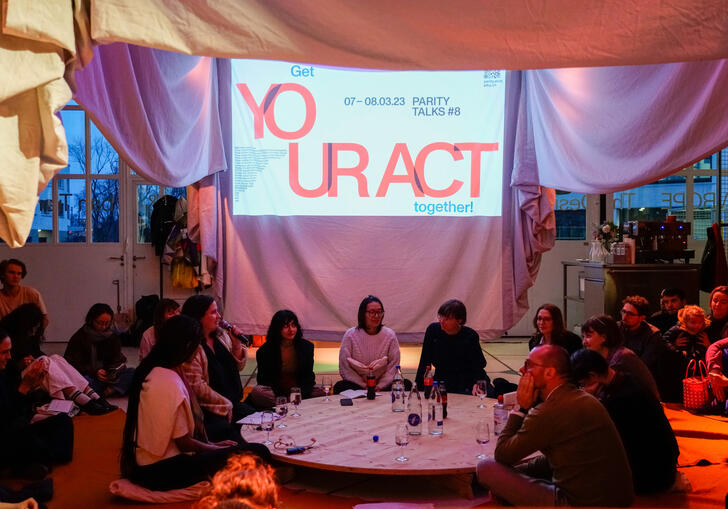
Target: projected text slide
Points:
(317, 141)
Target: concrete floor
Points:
(504, 357)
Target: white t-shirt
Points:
(164, 414)
(147, 342)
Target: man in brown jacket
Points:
(581, 461)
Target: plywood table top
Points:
(344, 437)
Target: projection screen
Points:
(348, 182)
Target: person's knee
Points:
(262, 396)
(484, 469)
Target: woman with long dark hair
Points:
(164, 445)
(550, 330)
(285, 360)
(368, 346)
(214, 371)
(95, 351)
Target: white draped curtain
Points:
(584, 129)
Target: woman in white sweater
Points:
(368, 345)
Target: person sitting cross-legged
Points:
(601, 334)
(370, 346)
(28, 449)
(46, 376)
(165, 445)
(95, 351)
(285, 361)
(646, 434)
(582, 461)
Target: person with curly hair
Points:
(245, 483)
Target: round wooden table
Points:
(344, 437)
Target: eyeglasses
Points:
(103, 323)
(375, 313)
(629, 313)
(528, 363)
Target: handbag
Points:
(696, 392)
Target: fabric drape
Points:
(158, 109)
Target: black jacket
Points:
(269, 366)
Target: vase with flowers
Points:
(604, 236)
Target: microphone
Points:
(245, 340)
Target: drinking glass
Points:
(266, 423)
(482, 436)
(326, 386)
(401, 438)
(281, 409)
(295, 400)
(482, 390)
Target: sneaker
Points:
(109, 407)
(95, 407)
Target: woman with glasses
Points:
(368, 346)
(550, 330)
(454, 350)
(601, 334)
(95, 351)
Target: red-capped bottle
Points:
(371, 384)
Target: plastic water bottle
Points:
(443, 396)
(429, 372)
(434, 414)
(414, 411)
(371, 384)
(500, 416)
(398, 391)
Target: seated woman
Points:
(285, 360)
(214, 371)
(550, 330)
(601, 334)
(454, 350)
(718, 328)
(717, 361)
(369, 345)
(51, 375)
(95, 351)
(28, 448)
(165, 309)
(164, 445)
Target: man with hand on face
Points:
(582, 461)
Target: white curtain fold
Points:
(158, 109)
(426, 34)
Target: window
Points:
(570, 210)
(147, 195)
(85, 193)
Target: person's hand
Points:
(526, 393)
(102, 375)
(703, 337)
(225, 443)
(28, 503)
(475, 391)
(720, 384)
(681, 341)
